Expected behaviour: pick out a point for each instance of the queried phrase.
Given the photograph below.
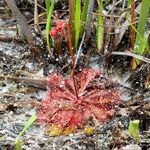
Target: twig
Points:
(123, 5)
(10, 38)
(127, 53)
(7, 57)
(40, 15)
(36, 15)
(38, 83)
(104, 15)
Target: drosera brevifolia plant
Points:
(68, 108)
(73, 100)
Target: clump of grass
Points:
(141, 41)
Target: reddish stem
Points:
(71, 17)
(72, 58)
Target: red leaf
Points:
(85, 77)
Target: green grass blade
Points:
(84, 16)
(31, 120)
(129, 2)
(28, 124)
(18, 143)
(100, 29)
(77, 21)
(48, 23)
(144, 47)
(47, 2)
(145, 8)
(136, 31)
(106, 2)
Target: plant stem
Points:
(47, 2)
(72, 58)
(71, 18)
(100, 28)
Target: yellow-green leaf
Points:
(134, 129)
